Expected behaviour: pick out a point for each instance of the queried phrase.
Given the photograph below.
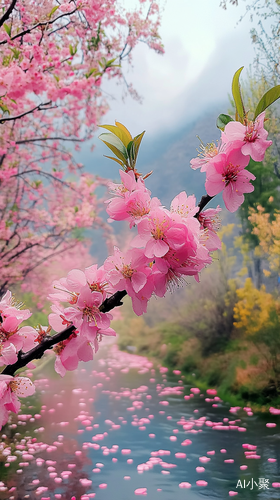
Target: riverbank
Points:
(238, 371)
(118, 427)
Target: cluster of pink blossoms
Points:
(170, 245)
(225, 164)
(13, 339)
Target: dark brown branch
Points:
(38, 108)
(38, 25)
(49, 341)
(203, 202)
(37, 352)
(35, 139)
(8, 12)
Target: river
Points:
(118, 428)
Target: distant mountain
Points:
(171, 164)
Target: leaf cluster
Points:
(125, 147)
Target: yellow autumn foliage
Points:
(252, 312)
(268, 233)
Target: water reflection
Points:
(116, 426)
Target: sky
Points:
(204, 46)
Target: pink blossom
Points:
(207, 154)
(152, 233)
(11, 335)
(70, 352)
(9, 307)
(97, 280)
(132, 200)
(210, 225)
(10, 389)
(227, 173)
(84, 314)
(127, 271)
(184, 205)
(252, 136)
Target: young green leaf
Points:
(237, 94)
(267, 99)
(53, 10)
(223, 120)
(131, 153)
(137, 141)
(118, 132)
(124, 129)
(115, 159)
(8, 29)
(116, 146)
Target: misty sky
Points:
(204, 46)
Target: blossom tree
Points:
(171, 245)
(54, 58)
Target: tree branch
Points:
(7, 13)
(38, 108)
(38, 25)
(203, 202)
(49, 341)
(35, 139)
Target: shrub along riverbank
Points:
(219, 333)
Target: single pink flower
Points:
(152, 233)
(184, 205)
(70, 352)
(97, 280)
(11, 335)
(127, 271)
(10, 307)
(227, 173)
(206, 154)
(132, 199)
(11, 388)
(252, 136)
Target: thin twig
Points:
(38, 108)
(38, 25)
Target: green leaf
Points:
(91, 71)
(115, 159)
(223, 120)
(110, 62)
(76, 209)
(114, 141)
(120, 133)
(267, 99)
(137, 141)
(132, 153)
(237, 94)
(102, 62)
(4, 108)
(115, 145)
(53, 11)
(8, 29)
